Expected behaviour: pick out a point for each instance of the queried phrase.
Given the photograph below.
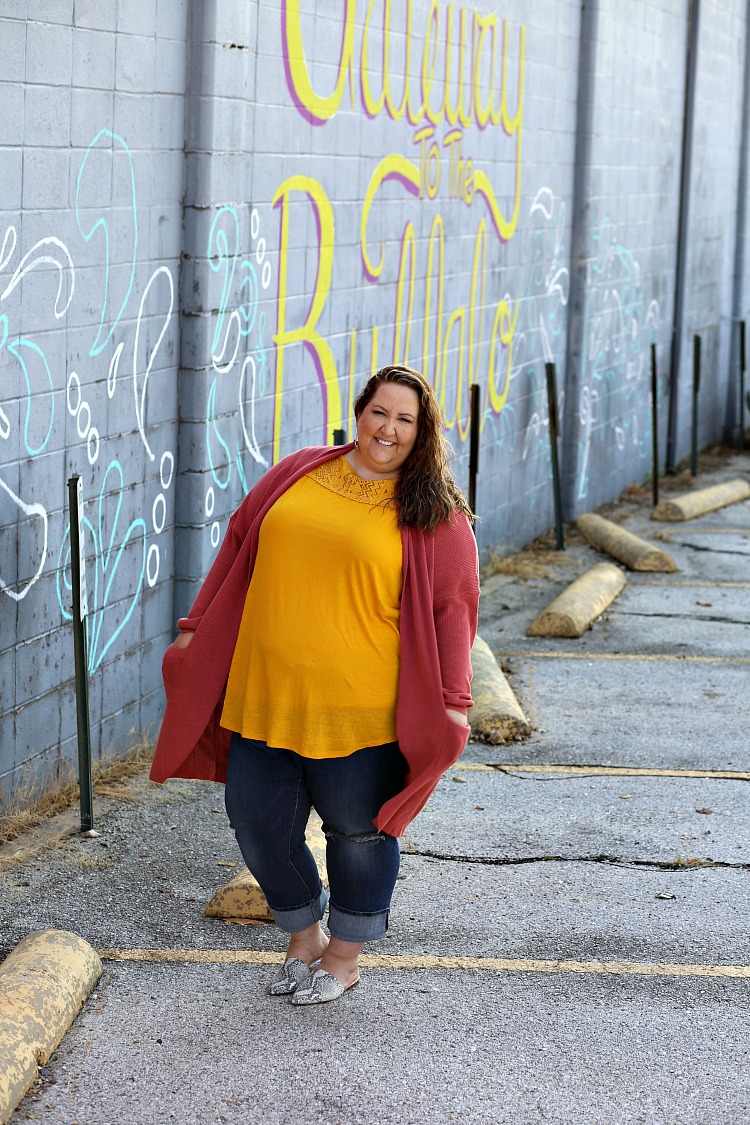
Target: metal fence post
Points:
(549, 369)
(80, 611)
(654, 427)
(474, 446)
(742, 385)
(696, 390)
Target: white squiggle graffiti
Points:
(79, 410)
(30, 261)
(251, 440)
(114, 367)
(540, 337)
(615, 388)
(6, 254)
(28, 510)
(140, 403)
(240, 287)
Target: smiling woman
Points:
(326, 664)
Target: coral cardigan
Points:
(437, 629)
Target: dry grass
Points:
(534, 561)
(25, 808)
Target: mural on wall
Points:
(454, 86)
(119, 561)
(439, 103)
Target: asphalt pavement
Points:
(570, 934)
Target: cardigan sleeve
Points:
(455, 608)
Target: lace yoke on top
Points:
(338, 476)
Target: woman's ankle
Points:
(308, 945)
(341, 960)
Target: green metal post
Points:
(742, 384)
(696, 390)
(80, 610)
(474, 446)
(654, 427)
(549, 369)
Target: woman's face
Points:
(387, 429)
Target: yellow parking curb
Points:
(575, 610)
(44, 982)
(705, 500)
(242, 900)
(496, 715)
(629, 549)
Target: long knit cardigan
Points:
(438, 624)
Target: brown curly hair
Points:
(426, 493)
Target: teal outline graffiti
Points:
(98, 344)
(102, 561)
(21, 342)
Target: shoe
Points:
(289, 975)
(320, 988)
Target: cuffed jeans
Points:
(269, 794)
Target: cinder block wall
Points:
(218, 218)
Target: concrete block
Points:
(37, 728)
(94, 60)
(49, 47)
(575, 610)
(46, 174)
(91, 110)
(136, 17)
(47, 979)
(171, 66)
(172, 19)
(496, 715)
(11, 177)
(13, 38)
(52, 11)
(134, 63)
(98, 14)
(694, 504)
(13, 116)
(621, 544)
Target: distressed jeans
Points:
(269, 794)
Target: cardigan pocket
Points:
(170, 665)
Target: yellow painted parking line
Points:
(653, 656)
(601, 771)
(705, 531)
(486, 964)
(695, 583)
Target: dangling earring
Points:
(356, 443)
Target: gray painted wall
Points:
(216, 219)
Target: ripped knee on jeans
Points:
(363, 838)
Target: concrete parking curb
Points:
(242, 900)
(635, 553)
(575, 610)
(694, 504)
(496, 715)
(44, 983)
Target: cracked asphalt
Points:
(595, 879)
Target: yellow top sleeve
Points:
(315, 667)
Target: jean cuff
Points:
(300, 917)
(357, 927)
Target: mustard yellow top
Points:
(315, 668)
